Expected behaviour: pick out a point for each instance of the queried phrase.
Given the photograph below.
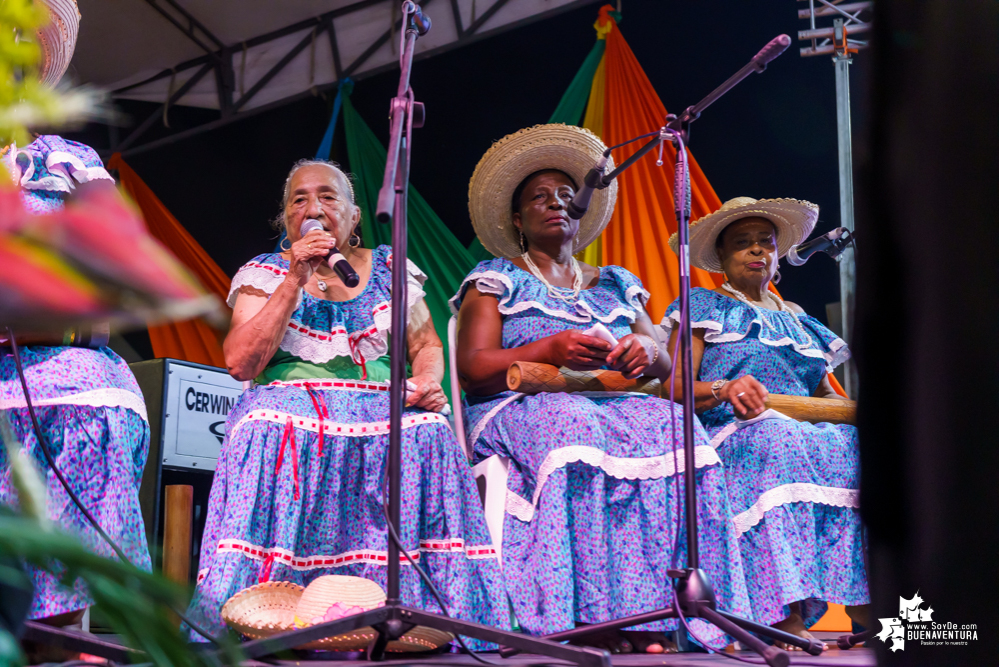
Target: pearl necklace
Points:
(566, 294)
(779, 304)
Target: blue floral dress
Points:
(792, 485)
(88, 402)
(594, 505)
(299, 486)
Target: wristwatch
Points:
(716, 386)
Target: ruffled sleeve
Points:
(415, 279)
(54, 164)
(262, 272)
(629, 286)
(489, 277)
(726, 320)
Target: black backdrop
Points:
(927, 321)
(774, 136)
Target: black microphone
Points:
(774, 48)
(833, 244)
(336, 261)
(594, 180)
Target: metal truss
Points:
(847, 14)
(218, 60)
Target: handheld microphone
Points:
(833, 244)
(334, 259)
(594, 180)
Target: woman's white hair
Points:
(346, 186)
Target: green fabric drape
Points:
(572, 106)
(570, 111)
(432, 246)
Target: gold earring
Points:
(281, 244)
(523, 246)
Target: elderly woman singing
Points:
(592, 506)
(792, 485)
(299, 487)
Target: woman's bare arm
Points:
(746, 394)
(483, 362)
(258, 325)
(426, 356)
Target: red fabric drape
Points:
(190, 340)
(637, 235)
(643, 220)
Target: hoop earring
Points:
(776, 278)
(523, 247)
(354, 241)
(281, 244)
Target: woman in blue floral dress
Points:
(592, 513)
(792, 485)
(89, 405)
(299, 487)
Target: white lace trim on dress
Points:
(263, 277)
(287, 557)
(355, 430)
(330, 384)
(737, 424)
(318, 346)
(838, 350)
(494, 283)
(97, 398)
(486, 418)
(651, 467)
(798, 492)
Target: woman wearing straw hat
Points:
(792, 485)
(592, 508)
(94, 418)
(298, 490)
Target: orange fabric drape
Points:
(637, 235)
(190, 340)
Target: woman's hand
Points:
(428, 394)
(307, 252)
(577, 351)
(632, 355)
(747, 396)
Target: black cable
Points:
(65, 484)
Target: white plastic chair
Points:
(490, 474)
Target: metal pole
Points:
(847, 265)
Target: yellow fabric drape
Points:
(191, 340)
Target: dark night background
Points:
(773, 136)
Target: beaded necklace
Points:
(568, 294)
(780, 307)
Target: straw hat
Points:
(516, 156)
(278, 606)
(794, 219)
(58, 39)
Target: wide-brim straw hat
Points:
(57, 39)
(516, 156)
(274, 607)
(794, 220)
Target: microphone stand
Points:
(394, 619)
(693, 592)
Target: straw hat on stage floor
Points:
(274, 607)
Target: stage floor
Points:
(855, 657)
